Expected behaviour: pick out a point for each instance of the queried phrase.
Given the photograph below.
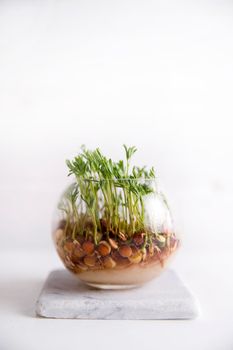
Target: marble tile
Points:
(167, 297)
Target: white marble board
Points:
(167, 297)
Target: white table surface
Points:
(22, 276)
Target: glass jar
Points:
(114, 234)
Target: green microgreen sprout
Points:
(106, 195)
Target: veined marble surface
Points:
(64, 296)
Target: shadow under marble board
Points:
(167, 297)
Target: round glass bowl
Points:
(114, 234)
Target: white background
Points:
(154, 74)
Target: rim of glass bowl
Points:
(118, 178)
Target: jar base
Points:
(112, 286)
